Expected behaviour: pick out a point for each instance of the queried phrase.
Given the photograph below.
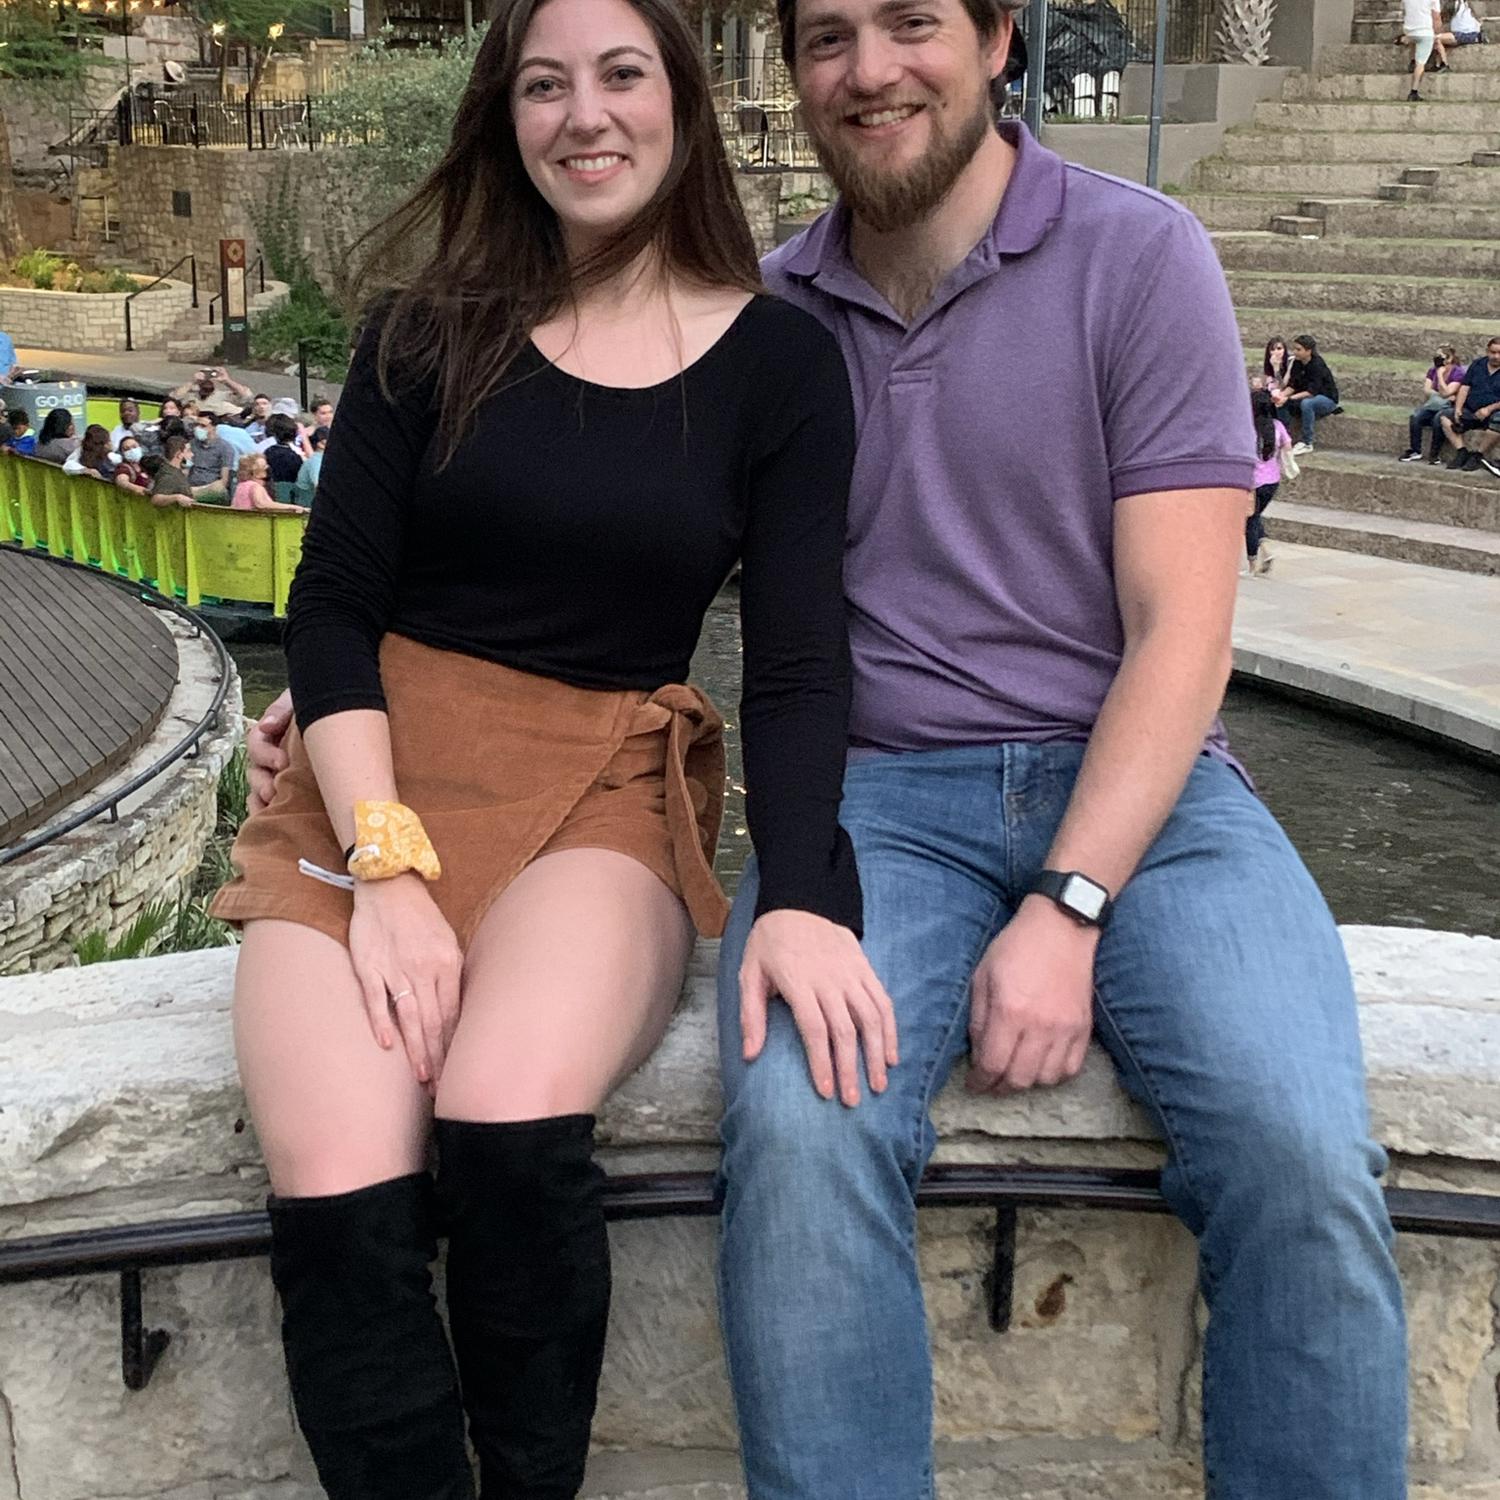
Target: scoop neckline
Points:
(626, 391)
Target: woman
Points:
(129, 475)
(1277, 364)
(1270, 439)
(252, 477)
(1440, 387)
(58, 439)
(93, 455)
(561, 429)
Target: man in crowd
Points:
(170, 484)
(1052, 835)
(260, 409)
(205, 388)
(322, 412)
(1476, 410)
(212, 459)
(307, 476)
(130, 421)
(1311, 389)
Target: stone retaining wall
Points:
(91, 320)
(97, 878)
(121, 1105)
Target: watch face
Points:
(1086, 898)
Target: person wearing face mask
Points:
(129, 475)
(213, 459)
(562, 428)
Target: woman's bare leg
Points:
(334, 1111)
(569, 984)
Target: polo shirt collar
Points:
(1031, 204)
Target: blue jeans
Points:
(1313, 407)
(1224, 999)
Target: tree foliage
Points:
(250, 24)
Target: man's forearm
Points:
(1148, 734)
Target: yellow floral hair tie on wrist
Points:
(389, 840)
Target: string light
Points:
(275, 29)
(217, 28)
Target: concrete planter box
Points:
(91, 320)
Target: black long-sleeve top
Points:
(1313, 379)
(581, 531)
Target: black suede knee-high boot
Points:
(528, 1296)
(371, 1373)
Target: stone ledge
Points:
(120, 1087)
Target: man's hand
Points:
(1031, 1001)
(264, 754)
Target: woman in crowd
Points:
(129, 475)
(1277, 364)
(1439, 389)
(251, 491)
(93, 454)
(1271, 439)
(58, 439)
(474, 892)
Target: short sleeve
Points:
(1176, 396)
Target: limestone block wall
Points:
(91, 320)
(38, 117)
(122, 1105)
(97, 878)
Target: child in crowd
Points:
(251, 492)
(22, 438)
(1271, 439)
(283, 454)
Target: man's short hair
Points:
(281, 427)
(985, 14)
(18, 416)
(172, 447)
(204, 415)
(1307, 341)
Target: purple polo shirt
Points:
(1085, 351)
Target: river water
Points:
(1397, 832)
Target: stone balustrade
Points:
(119, 1104)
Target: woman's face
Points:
(1278, 351)
(593, 115)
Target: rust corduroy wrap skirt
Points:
(503, 766)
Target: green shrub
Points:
(49, 272)
(308, 313)
(39, 267)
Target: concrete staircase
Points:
(1372, 223)
(193, 337)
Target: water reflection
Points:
(1397, 833)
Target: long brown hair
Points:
(95, 446)
(459, 317)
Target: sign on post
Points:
(235, 299)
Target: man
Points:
(1476, 409)
(204, 387)
(1421, 22)
(306, 487)
(1041, 638)
(260, 409)
(169, 481)
(130, 421)
(10, 366)
(322, 412)
(1311, 389)
(212, 459)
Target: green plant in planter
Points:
(39, 267)
(49, 272)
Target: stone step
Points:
(1452, 87)
(1249, 144)
(1407, 192)
(1240, 210)
(1382, 219)
(1383, 335)
(1397, 259)
(1368, 379)
(1360, 428)
(1436, 116)
(1297, 225)
(1216, 174)
(1436, 297)
(1426, 542)
(1422, 176)
(1468, 184)
(1379, 484)
(1487, 158)
(1385, 58)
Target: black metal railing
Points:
(127, 1250)
(192, 263)
(260, 123)
(108, 804)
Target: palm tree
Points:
(1244, 34)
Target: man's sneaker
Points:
(1260, 564)
(1441, 67)
(1491, 465)
(1459, 459)
(1471, 461)
(1298, 449)
(1411, 456)
(1414, 97)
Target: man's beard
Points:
(889, 200)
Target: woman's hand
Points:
(408, 964)
(839, 1005)
(265, 754)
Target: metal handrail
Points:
(192, 261)
(257, 265)
(187, 745)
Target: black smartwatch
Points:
(1085, 900)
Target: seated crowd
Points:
(240, 449)
(1461, 406)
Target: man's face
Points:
(1493, 351)
(323, 414)
(261, 408)
(1301, 353)
(896, 98)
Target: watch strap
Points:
(1053, 884)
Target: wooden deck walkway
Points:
(85, 675)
